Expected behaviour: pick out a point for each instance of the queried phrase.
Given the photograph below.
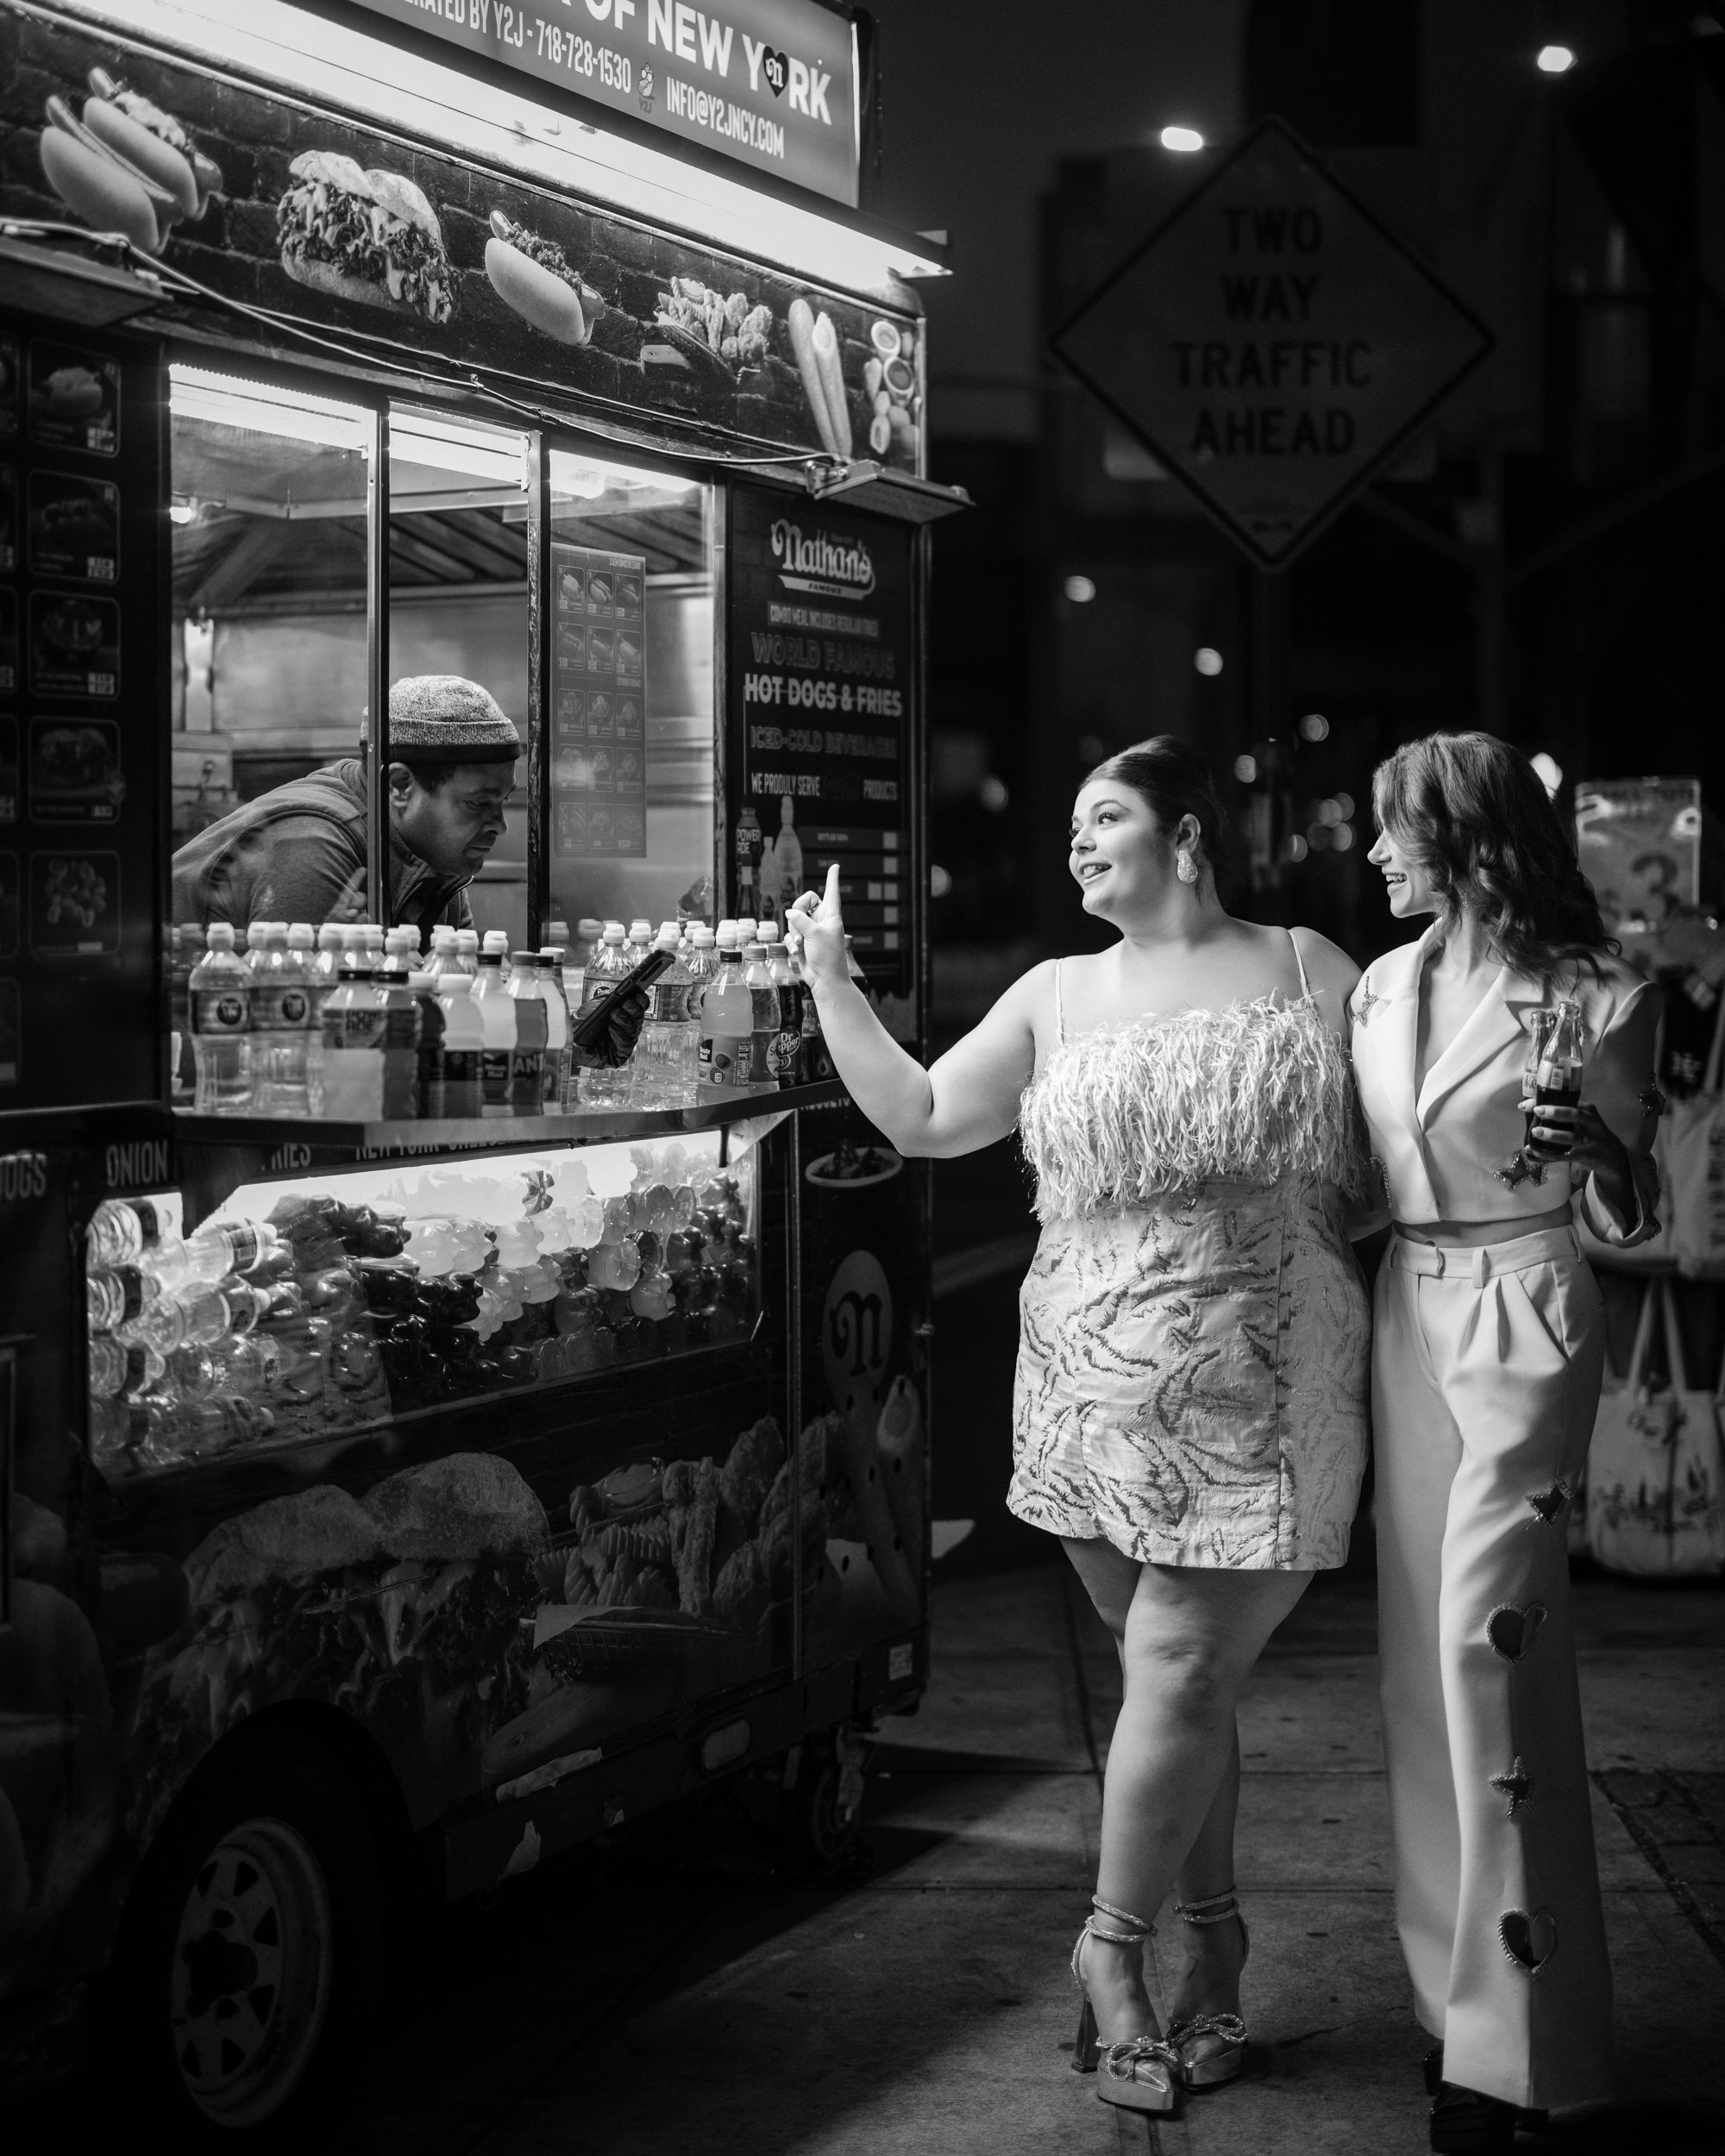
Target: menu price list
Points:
(599, 703)
(77, 467)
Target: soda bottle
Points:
(763, 999)
(463, 1046)
(400, 1040)
(788, 1041)
(353, 1037)
(557, 1067)
(727, 1019)
(748, 930)
(221, 993)
(526, 988)
(667, 1062)
(814, 1064)
(428, 1079)
(1556, 1075)
(468, 950)
(602, 1087)
(496, 1007)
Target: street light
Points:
(1183, 139)
(1554, 59)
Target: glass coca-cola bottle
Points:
(1556, 1077)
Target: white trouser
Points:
(1485, 1374)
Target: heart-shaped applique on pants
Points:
(1513, 1627)
(1529, 1942)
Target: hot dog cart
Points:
(556, 1463)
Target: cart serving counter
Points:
(496, 1475)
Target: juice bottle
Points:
(526, 987)
(428, 1056)
(763, 1000)
(727, 1019)
(496, 1007)
(463, 1046)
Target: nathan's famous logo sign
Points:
(838, 568)
(771, 82)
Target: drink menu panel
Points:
(821, 658)
(599, 703)
(81, 716)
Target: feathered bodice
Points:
(1251, 1093)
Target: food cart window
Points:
(269, 552)
(458, 606)
(631, 616)
(307, 1310)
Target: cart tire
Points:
(251, 1955)
(820, 1815)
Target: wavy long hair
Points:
(1476, 815)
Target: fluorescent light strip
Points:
(313, 58)
(230, 400)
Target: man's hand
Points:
(623, 1030)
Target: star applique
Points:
(1517, 1785)
(1367, 1004)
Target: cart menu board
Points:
(599, 703)
(80, 717)
(820, 643)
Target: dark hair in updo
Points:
(1175, 780)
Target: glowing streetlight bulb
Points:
(1185, 139)
(1554, 59)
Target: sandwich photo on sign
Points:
(370, 237)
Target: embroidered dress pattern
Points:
(1194, 1338)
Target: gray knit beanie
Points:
(443, 716)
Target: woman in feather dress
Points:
(1190, 1399)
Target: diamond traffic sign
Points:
(1273, 344)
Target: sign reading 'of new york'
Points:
(1272, 344)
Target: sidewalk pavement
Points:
(677, 1995)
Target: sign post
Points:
(1273, 344)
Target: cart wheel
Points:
(254, 1944)
(820, 1813)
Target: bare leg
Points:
(1188, 1638)
(1209, 1981)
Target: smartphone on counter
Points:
(589, 1033)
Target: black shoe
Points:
(1466, 2123)
(1431, 2068)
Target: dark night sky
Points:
(981, 97)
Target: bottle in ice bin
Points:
(667, 1057)
(463, 1046)
(727, 1019)
(526, 988)
(602, 1087)
(221, 996)
(1556, 1075)
(496, 1007)
(763, 1002)
(114, 1235)
(221, 1247)
(557, 1067)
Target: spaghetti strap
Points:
(1304, 985)
(1059, 1015)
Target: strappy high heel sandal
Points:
(1216, 2067)
(1139, 2073)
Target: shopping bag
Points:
(1694, 1132)
(1655, 1490)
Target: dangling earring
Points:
(1184, 867)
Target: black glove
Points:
(623, 1030)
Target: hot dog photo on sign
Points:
(126, 166)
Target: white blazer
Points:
(1442, 1153)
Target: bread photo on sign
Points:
(532, 276)
(126, 165)
(370, 237)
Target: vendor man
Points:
(298, 852)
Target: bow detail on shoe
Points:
(1229, 2027)
(1121, 2061)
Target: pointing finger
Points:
(832, 886)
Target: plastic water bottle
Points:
(428, 1077)
(764, 999)
(353, 1037)
(463, 1046)
(532, 1035)
(727, 1019)
(282, 1001)
(114, 1236)
(588, 932)
(557, 1067)
(468, 950)
(496, 1008)
(220, 997)
(602, 1087)
(667, 1062)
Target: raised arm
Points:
(966, 1100)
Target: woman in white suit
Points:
(1488, 1343)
